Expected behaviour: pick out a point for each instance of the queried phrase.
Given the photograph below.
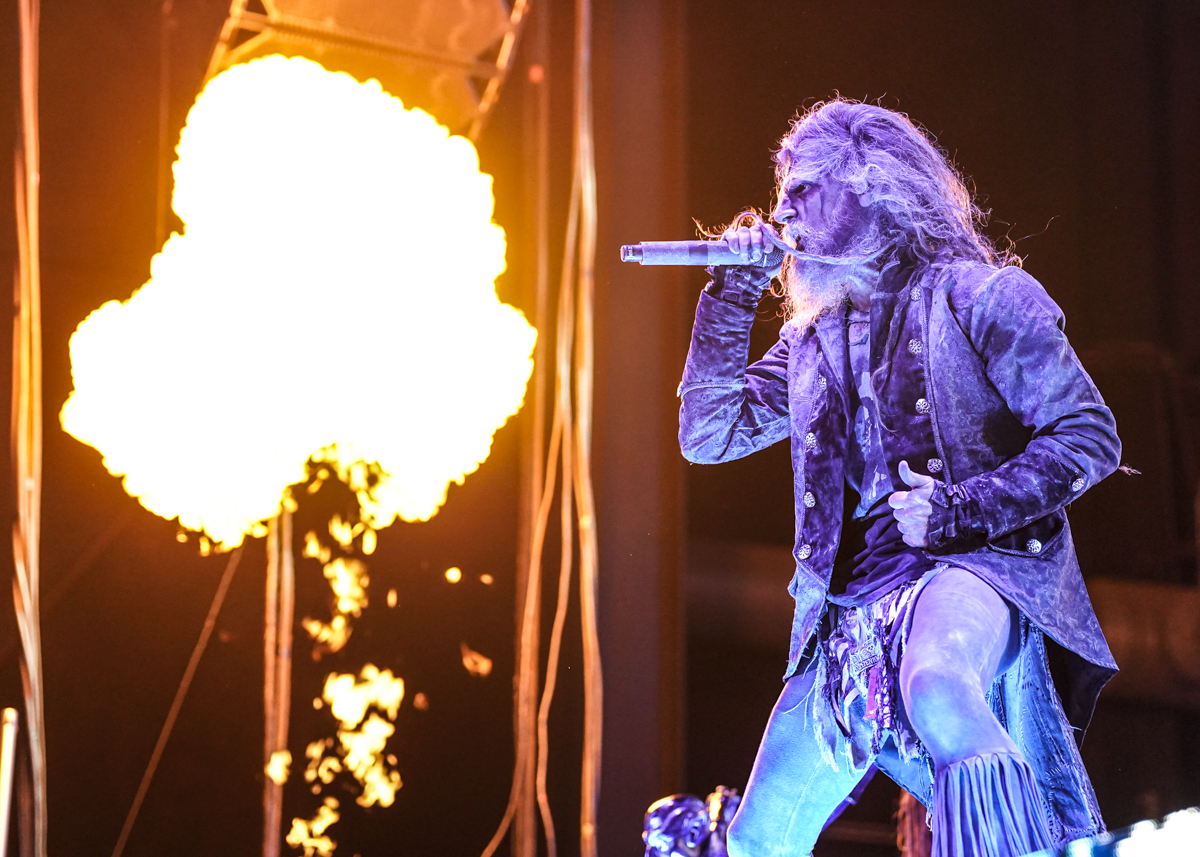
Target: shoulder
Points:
(974, 289)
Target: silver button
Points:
(914, 346)
(922, 406)
(810, 440)
(1078, 485)
(1033, 546)
(822, 383)
(934, 465)
(810, 499)
(805, 551)
(915, 293)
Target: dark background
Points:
(1077, 123)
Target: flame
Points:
(277, 767)
(332, 297)
(477, 665)
(362, 750)
(321, 767)
(349, 699)
(309, 835)
(362, 736)
(347, 578)
(332, 635)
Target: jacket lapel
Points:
(831, 331)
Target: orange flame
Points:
(332, 296)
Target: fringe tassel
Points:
(988, 806)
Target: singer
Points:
(940, 423)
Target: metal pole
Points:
(163, 200)
(8, 750)
(287, 614)
(277, 673)
(27, 415)
(271, 792)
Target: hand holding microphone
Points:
(758, 245)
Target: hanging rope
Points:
(186, 682)
(570, 441)
(27, 416)
(589, 552)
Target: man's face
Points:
(820, 212)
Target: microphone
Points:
(718, 253)
(692, 253)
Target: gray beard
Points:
(819, 287)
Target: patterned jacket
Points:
(977, 386)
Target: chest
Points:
(883, 357)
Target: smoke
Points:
(332, 296)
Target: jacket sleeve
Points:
(1018, 331)
(730, 410)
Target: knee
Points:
(935, 695)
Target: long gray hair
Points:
(922, 202)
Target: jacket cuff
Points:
(956, 524)
(740, 285)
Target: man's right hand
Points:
(753, 242)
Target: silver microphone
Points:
(718, 253)
(692, 253)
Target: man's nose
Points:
(783, 212)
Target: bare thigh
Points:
(962, 636)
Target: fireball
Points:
(330, 298)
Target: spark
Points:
(421, 702)
(477, 665)
(332, 297)
(362, 736)
(343, 532)
(313, 549)
(277, 767)
(332, 635)
(321, 767)
(349, 698)
(362, 750)
(348, 579)
(454, 575)
(309, 835)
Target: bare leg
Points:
(961, 632)
(986, 801)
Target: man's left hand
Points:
(912, 508)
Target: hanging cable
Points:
(27, 416)
(589, 554)
(570, 440)
(186, 682)
(565, 336)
